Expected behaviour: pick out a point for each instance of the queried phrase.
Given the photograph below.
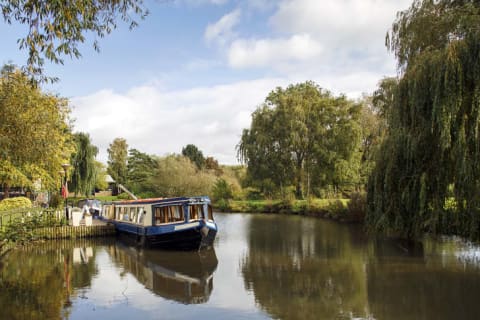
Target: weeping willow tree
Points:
(84, 173)
(427, 175)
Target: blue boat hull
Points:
(173, 237)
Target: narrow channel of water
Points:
(261, 267)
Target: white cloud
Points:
(267, 52)
(221, 31)
(339, 44)
(339, 23)
(161, 122)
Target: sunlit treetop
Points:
(430, 25)
(56, 28)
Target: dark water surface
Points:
(262, 267)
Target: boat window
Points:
(110, 214)
(125, 214)
(168, 214)
(119, 213)
(196, 212)
(133, 214)
(140, 215)
(210, 213)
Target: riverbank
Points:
(342, 210)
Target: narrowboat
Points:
(184, 223)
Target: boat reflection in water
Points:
(182, 276)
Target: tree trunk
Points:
(6, 191)
(299, 180)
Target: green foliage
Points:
(34, 133)
(101, 176)
(56, 30)
(146, 195)
(15, 203)
(298, 137)
(194, 154)
(117, 160)
(222, 190)
(84, 173)
(55, 201)
(250, 193)
(337, 210)
(178, 176)
(22, 229)
(433, 125)
(123, 196)
(331, 208)
(141, 169)
(223, 205)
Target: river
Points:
(261, 267)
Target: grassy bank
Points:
(345, 210)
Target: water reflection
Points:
(431, 284)
(185, 277)
(38, 282)
(280, 267)
(301, 268)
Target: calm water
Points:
(262, 267)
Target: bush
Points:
(55, 201)
(22, 229)
(123, 196)
(223, 205)
(222, 190)
(146, 195)
(250, 193)
(15, 203)
(336, 210)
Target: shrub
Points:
(123, 196)
(55, 201)
(252, 193)
(146, 195)
(15, 203)
(223, 205)
(336, 209)
(222, 190)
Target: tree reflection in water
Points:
(301, 268)
(36, 282)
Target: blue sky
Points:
(195, 70)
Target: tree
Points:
(298, 137)
(432, 147)
(35, 136)
(178, 176)
(212, 164)
(56, 29)
(101, 176)
(222, 190)
(117, 160)
(194, 154)
(84, 172)
(374, 125)
(141, 168)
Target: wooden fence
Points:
(75, 232)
